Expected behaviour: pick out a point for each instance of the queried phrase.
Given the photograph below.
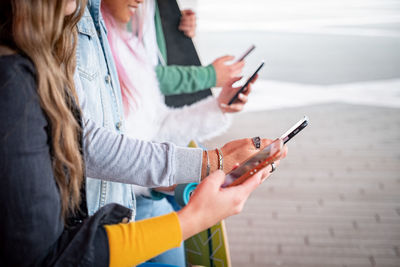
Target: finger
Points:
(185, 28)
(229, 108)
(250, 184)
(265, 173)
(255, 79)
(217, 177)
(265, 142)
(188, 30)
(190, 34)
(276, 163)
(247, 90)
(188, 12)
(284, 152)
(243, 98)
(233, 80)
(189, 18)
(188, 21)
(238, 65)
(235, 107)
(226, 58)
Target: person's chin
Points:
(132, 10)
(70, 8)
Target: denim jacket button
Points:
(108, 79)
(118, 125)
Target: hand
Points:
(225, 72)
(210, 203)
(188, 23)
(238, 151)
(235, 153)
(228, 92)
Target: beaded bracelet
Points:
(220, 159)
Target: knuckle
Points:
(237, 200)
(238, 209)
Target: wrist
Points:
(205, 169)
(214, 162)
(190, 222)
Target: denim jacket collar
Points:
(94, 7)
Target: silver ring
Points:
(273, 167)
(256, 142)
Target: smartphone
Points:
(300, 125)
(263, 158)
(246, 53)
(235, 97)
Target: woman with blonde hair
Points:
(43, 211)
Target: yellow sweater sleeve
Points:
(136, 242)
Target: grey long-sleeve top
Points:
(118, 158)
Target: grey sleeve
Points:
(115, 157)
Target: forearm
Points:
(185, 79)
(136, 242)
(115, 157)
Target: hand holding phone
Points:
(263, 158)
(235, 97)
(254, 164)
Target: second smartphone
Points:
(235, 97)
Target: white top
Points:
(151, 119)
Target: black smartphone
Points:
(246, 53)
(235, 97)
(300, 125)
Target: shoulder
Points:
(16, 75)
(19, 101)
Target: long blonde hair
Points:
(39, 30)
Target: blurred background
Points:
(335, 199)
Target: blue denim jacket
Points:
(100, 84)
(113, 159)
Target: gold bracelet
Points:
(220, 159)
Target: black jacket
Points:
(32, 232)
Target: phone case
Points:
(252, 165)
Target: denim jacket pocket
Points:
(86, 51)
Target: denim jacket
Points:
(100, 83)
(113, 160)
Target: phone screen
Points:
(254, 164)
(234, 98)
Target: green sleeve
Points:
(185, 79)
(176, 79)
